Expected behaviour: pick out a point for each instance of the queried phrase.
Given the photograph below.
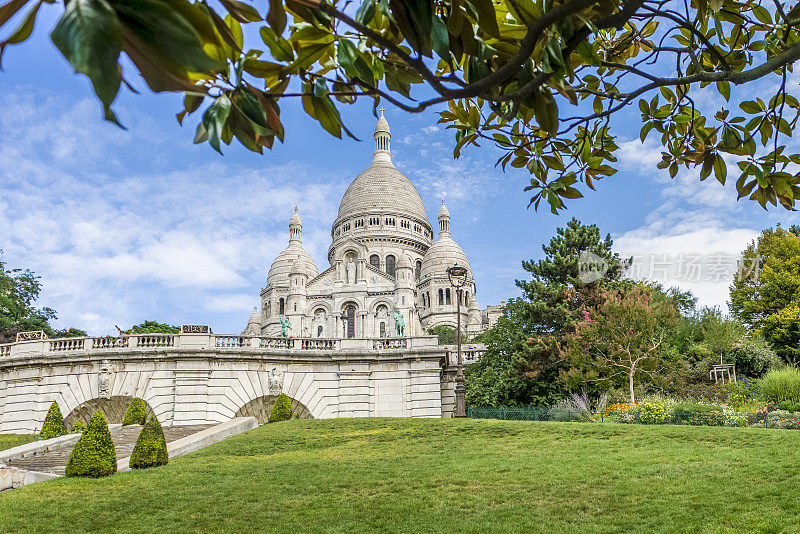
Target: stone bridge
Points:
(196, 377)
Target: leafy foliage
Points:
(766, 296)
(282, 409)
(753, 358)
(78, 426)
(780, 385)
(522, 360)
(53, 424)
(151, 447)
(540, 80)
(19, 289)
(152, 327)
(447, 335)
(619, 340)
(136, 414)
(94, 455)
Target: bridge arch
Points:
(112, 408)
(261, 407)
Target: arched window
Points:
(466, 298)
(423, 301)
(390, 263)
(418, 270)
(429, 299)
(383, 329)
(319, 331)
(350, 321)
(295, 307)
(447, 296)
(441, 297)
(269, 309)
(375, 261)
(281, 306)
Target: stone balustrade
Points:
(34, 345)
(470, 353)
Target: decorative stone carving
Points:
(195, 329)
(275, 381)
(351, 272)
(31, 336)
(104, 379)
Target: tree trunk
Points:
(630, 384)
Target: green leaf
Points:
(720, 169)
(241, 11)
(724, 89)
(487, 20)
(23, 31)
(749, 106)
(366, 12)
(214, 120)
(440, 41)
(279, 47)
(89, 35)
(276, 16)
(10, 9)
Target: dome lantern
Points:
(383, 137)
(295, 226)
(444, 220)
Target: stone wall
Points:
(194, 382)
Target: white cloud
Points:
(113, 245)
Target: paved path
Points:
(55, 461)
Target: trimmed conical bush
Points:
(78, 426)
(94, 454)
(53, 424)
(136, 414)
(151, 447)
(282, 410)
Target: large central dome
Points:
(382, 188)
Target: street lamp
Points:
(458, 277)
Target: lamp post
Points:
(458, 277)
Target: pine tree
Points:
(53, 424)
(522, 360)
(151, 447)
(94, 455)
(136, 413)
(282, 410)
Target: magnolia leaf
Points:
(89, 35)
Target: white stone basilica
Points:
(382, 259)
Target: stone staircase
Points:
(55, 460)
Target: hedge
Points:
(53, 424)
(94, 455)
(136, 414)
(151, 447)
(282, 409)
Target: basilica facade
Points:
(387, 273)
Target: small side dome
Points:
(442, 255)
(293, 259)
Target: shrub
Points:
(78, 426)
(651, 413)
(753, 358)
(282, 410)
(780, 385)
(94, 454)
(151, 447)
(782, 419)
(53, 424)
(789, 406)
(694, 413)
(136, 414)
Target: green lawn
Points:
(401, 475)
(12, 440)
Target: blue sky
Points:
(128, 225)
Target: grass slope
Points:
(401, 475)
(8, 441)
